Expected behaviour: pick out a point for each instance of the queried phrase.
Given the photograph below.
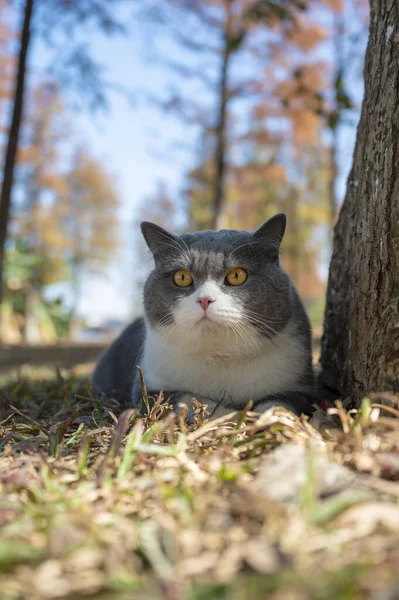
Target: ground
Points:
(97, 501)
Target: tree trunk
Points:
(360, 346)
(221, 142)
(333, 179)
(12, 145)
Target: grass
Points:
(101, 502)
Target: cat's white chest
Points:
(217, 370)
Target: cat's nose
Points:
(205, 301)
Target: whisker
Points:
(183, 242)
(263, 327)
(256, 318)
(249, 342)
(266, 328)
(268, 319)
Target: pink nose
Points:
(205, 301)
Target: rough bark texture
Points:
(12, 146)
(360, 346)
(333, 179)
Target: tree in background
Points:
(230, 47)
(360, 346)
(27, 314)
(55, 22)
(318, 97)
(44, 133)
(87, 214)
(13, 135)
(6, 64)
(36, 242)
(64, 223)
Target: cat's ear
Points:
(271, 233)
(158, 239)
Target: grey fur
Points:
(268, 293)
(114, 370)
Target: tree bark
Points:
(360, 346)
(333, 179)
(12, 145)
(221, 126)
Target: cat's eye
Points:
(182, 278)
(236, 277)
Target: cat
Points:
(223, 323)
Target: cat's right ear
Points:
(158, 239)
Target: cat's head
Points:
(226, 286)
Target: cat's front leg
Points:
(214, 408)
(297, 402)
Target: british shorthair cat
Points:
(223, 323)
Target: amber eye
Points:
(182, 278)
(236, 277)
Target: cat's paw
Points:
(264, 406)
(180, 400)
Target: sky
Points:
(137, 144)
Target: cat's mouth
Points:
(208, 321)
(205, 319)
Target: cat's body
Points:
(222, 343)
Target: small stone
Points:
(284, 472)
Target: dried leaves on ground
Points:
(97, 501)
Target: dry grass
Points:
(97, 502)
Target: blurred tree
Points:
(199, 187)
(6, 64)
(44, 131)
(230, 46)
(13, 136)
(305, 201)
(360, 346)
(321, 95)
(66, 220)
(27, 273)
(55, 23)
(87, 214)
(40, 179)
(251, 184)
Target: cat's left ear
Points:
(271, 233)
(158, 240)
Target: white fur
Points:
(222, 356)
